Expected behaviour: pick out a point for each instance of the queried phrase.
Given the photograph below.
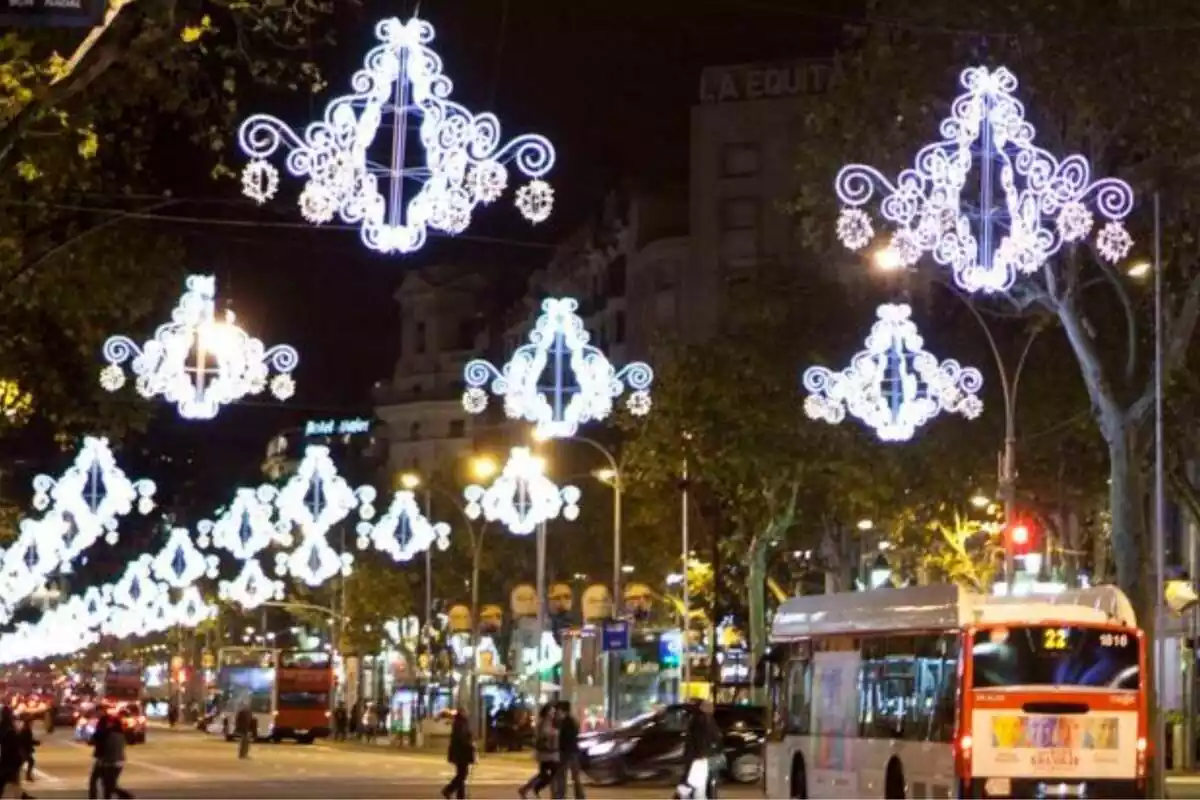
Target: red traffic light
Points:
(1019, 535)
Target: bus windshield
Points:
(246, 686)
(1052, 655)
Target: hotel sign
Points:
(337, 427)
(763, 81)
(51, 13)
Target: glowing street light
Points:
(866, 524)
(1139, 269)
(980, 501)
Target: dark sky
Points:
(611, 83)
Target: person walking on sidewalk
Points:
(339, 723)
(244, 728)
(28, 745)
(545, 751)
(112, 762)
(461, 755)
(370, 724)
(568, 752)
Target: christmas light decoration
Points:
(245, 528)
(403, 531)
(251, 588)
(557, 407)
(179, 564)
(200, 362)
(191, 610)
(88, 499)
(522, 497)
(1029, 202)
(314, 500)
(894, 386)
(465, 164)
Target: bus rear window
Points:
(1038, 655)
(303, 700)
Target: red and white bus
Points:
(934, 691)
(303, 695)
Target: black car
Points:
(651, 746)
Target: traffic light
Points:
(1019, 538)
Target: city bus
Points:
(245, 678)
(303, 691)
(935, 691)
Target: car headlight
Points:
(601, 749)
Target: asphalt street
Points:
(190, 764)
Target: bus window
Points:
(799, 696)
(1044, 655)
(888, 682)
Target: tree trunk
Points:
(756, 600)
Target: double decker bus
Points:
(122, 683)
(303, 695)
(935, 691)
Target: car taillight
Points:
(1141, 756)
(963, 754)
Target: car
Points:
(651, 746)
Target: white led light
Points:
(179, 564)
(197, 361)
(521, 497)
(557, 407)
(403, 531)
(84, 503)
(251, 588)
(894, 386)
(1030, 202)
(245, 528)
(465, 164)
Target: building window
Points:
(739, 160)
(458, 428)
(664, 276)
(466, 335)
(619, 328)
(739, 214)
(421, 338)
(414, 432)
(616, 277)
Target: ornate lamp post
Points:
(199, 362)
(465, 163)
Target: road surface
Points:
(189, 764)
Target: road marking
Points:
(45, 776)
(168, 771)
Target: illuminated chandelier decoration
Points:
(200, 362)
(558, 342)
(314, 500)
(1039, 204)
(403, 531)
(893, 386)
(85, 502)
(465, 163)
(521, 497)
(135, 598)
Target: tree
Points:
(1123, 111)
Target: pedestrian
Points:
(381, 711)
(355, 719)
(112, 761)
(28, 745)
(172, 714)
(339, 723)
(568, 752)
(461, 755)
(702, 747)
(545, 745)
(12, 755)
(97, 742)
(370, 725)
(243, 726)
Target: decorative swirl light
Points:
(557, 407)
(228, 363)
(894, 386)
(85, 502)
(1029, 203)
(464, 164)
(521, 497)
(403, 531)
(314, 500)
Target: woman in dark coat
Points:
(461, 755)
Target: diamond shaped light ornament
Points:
(246, 527)
(200, 362)
(356, 159)
(403, 531)
(521, 497)
(1001, 222)
(90, 496)
(251, 588)
(535, 383)
(180, 564)
(893, 386)
(315, 499)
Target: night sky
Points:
(610, 83)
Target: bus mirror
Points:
(1180, 595)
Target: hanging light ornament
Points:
(465, 163)
(403, 531)
(85, 502)
(198, 361)
(556, 406)
(179, 564)
(251, 588)
(314, 500)
(1029, 202)
(893, 386)
(245, 528)
(522, 497)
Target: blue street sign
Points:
(615, 635)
